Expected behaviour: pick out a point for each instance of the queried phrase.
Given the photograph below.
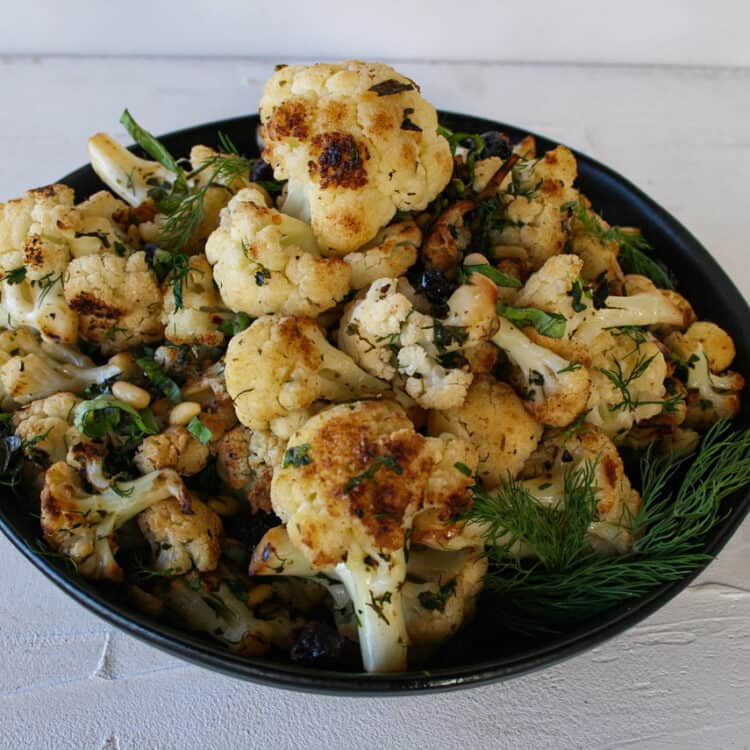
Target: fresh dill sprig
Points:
(633, 245)
(182, 201)
(623, 380)
(511, 516)
(681, 503)
(184, 218)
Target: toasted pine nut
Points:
(184, 412)
(131, 394)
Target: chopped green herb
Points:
(236, 324)
(297, 455)
(381, 461)
(15, 275)
(548, 324)
(633, 247)
(156, 375)
(500, 278)
(104, 414)
(198, 430)
(436, 600)
(463, 468)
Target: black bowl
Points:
(482, 653)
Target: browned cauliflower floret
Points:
(267, 262)
(556, 390)
(175, 448)
(31, 369)
(391, 253)
(117, 300)
(282, 366)
(599, 257)
(440, 593)
(617, 503)
(534, 219)
(197, 319)
(245, 460)
(47, 427)
(383, 332)
(83, 526)
(133, 179)
(494, 420)
(628, 373)
(357, 142)
(36, 232)
(706, 351)
(182, 541)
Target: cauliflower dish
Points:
(312, 404)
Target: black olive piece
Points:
(316, 642)
(261, 171)
(496, 144)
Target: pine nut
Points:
(131, 394)
(184, 412)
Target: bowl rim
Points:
(307, 679)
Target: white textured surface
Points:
(681, 680)
(675, 32)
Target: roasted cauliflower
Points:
(356, 142)
(267, 262)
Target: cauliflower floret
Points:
(494, 420)
(449, 237)
(212, 603)
(391, 254)
(628, 371)
(31, 369)
(353, 478)
(197, 319)
(209, 389)
(599, 258)
(134, 179)
(440, 593)
(182, 541)
(47, 426)
(653, 308)
(117, 299)
(175, 448)
(83, 526)
(706, 351)
(280, 366)
(389, 338)
(35, 235)
(357, 142)
(549, 288)
(448, 496)
(267, 262)
(557, 390)
(245, 460)
(534, 219)
(617, 503)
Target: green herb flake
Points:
(198, 430)
(156, 375)
(548, 324)
(436, 600)
(500, 278)
(297, 455)
(15, 275)
(236, 324)
(388, 462)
